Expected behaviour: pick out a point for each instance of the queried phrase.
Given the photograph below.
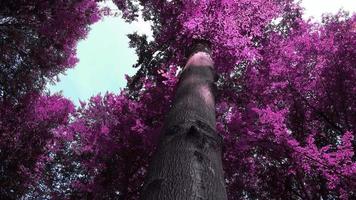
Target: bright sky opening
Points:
(105, 56)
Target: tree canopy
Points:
(285, 99)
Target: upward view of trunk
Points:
(188, 164)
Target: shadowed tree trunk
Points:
(187, 164)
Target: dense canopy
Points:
(285, 99)
(38, 41)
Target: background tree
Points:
(37, 42)
(289, 94)
(26, 137)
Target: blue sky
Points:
(105, 56)
(104, 59)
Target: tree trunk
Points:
(187, 164)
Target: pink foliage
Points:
(39, 41)
(27, 134)
(285, 103)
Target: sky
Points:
(105, 56)
(104, 59)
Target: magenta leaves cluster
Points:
(285, 100)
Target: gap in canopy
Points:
(104, 59)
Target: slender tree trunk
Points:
(187, 164)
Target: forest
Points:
(232, 99)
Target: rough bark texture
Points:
(187, 164)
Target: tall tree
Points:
(283, 110)
(187, 164)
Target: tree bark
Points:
(187, 164)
